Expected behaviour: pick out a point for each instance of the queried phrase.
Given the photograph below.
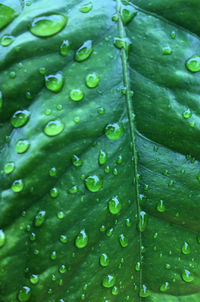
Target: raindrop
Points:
(87, 7)
(128, 12)
(160, 206)
(7, 15)
(84, 51)
(144, 292)
(54, 82)
(164, 287)
(102, 157)
(17, 186)
(114, 131)
(187, 276)
(22, 146)
(54, 192)
(81, 239)
(123, 240)
(63, 238)
(104, 260)
(9, 167)
(143, 221)
(53, 128)
(92, 80)
(20, 118)
(24, 294)
(40, 218)
(34, 279)
(186, 248)
(115, 290)
(114, 205)
(109, 281)
(167, 50)
(94, 183)
(52, 172)
(187, 114)
(77, 162)
(193, 63)
(64, 48)
(6, 40)
(76, 95)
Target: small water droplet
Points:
(167, 266)
(76, 95)
(160, 206)
(128, 12)
(187, 114)
(53, 172)
(64, 48)
(143, 221)
(94, 183)
(61, 215)
(34, 279)
(20, 118)
(187, 276)
(77, 162)
(49, 25)
(115, 290)
(173, 34)
(81, 239)
(84, 51)
(114, 205)
(186, 248)
(193, 64)
(109, 281)
(73, 189)
(92, 80)
(123, 240)
(2, 238)
(40, 218)
(102, 157)
(62, 269)
(7, 15)
(53, 128)
(128, 222)
(17, 186)
(9, 167)
(54, 192)
(109, 232)
(167, 50)
(87, 7)
(114, 131)
(53, 255)
(54, 82)
(6, 40)
(24, 294)
(101, 110)
(138, 266)
(144, 292)
(63, 238)
(104, 260)
(22, 146)
(164, 287)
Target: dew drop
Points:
(84, 51)
(76, 95)
(87, 7)
(60, 215)
(115, 290)
(22, 146)
(144, 292)
(17, 186)
(164, 287)
(6, 40)
(186, 248)
(73, 189)
(49, 25)
(94, 183)
(54, 82)
(187, 114)
(114, 131)
(109, 232)
(24, 294)
(53, 172)
(54, 192)
(143, 221)
(160, 206)
(128, 222)
(109, 281)
(62, 269)
(101, 110)
(40, 218)
(167, 50)
(114, 205)
(34, 279)
(123, 240)
(187, 276)
(104, 260)
(63, 238)
(53, 128)
(7, 14)
(173, 34)
(77, 162)
(138, 266)
(9, 167)
(127, 13)
(20, 118)
(92, 80)
(81, 239)
(53, 255)
(193, 63)
(2, 238)
(64, 48)
(102, 157)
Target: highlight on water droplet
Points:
(128, 12)
(104, 260)
(92, 80)
(22, 146)
(48, 25)
(86, 7)
(40, 218)
(114, 205)
(20, 118)
(2, 238)
(164, 287)
(193, 63)
(123, 240)
(187, 276)
(109, 281)
(54, 128)
(6, 40)
(84, 51)
(64, 48)
(76, 95)
(17, 186)
(186, 248)
(94, 183)
(9, 167)
(82, 239)
(143, 221)
(114, 131)
(24, 294)
(54, 82)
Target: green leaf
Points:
(99, 165)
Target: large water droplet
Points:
(123, 240)
(114, 205)
(92, 80)
(9, 167)
(81, 239)
(187, 276)
(109, 281)
(2, 238)
(94, 183)
(24, 294)
(128, 12)
(164, 287)
(45, 26)
(84, 51)
(22, 146)
(186, 248)
(17, 186)
(53, 128)
(54, 82)
(7, 14)
(193, 63)
(87, 7)
(104, 260)
(40, 218)
(64, 48)
(6, 40)
(76, 95)
(143, 221)
(114, 131)
(20, 118)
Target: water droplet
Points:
(187, 276)
(45, 26)
(54, 192)
(63, 238)
(34, 279)
(61, 215)
(22, 146)
(76, 95)
(24, 294)
(54, 82)
(17, 186)
(87, 7)
(138, 266)
(128, 12)
(144, 292)
(92, 80)
(62, 269)
(7, 15)
(160, 206)
(122, 43)
(94, 183)
(109, 232)
(84, 51)
(123, 240)
(53, 172)
(40, 218)
(119, 160)
(53, 128)
(53, 255)
(6, 40)
(101, 110)
(128, 222)
(107, 169)
(114, 131)
(9, 167)
(187, 114)
(109, 281)
(173, 34)
(32, 236)
(193, 63)
(167, 266)
(143, 221)
(104, 260)
(102, 157)
(2, 238)
(73, 189)
(77, 162)
(64, 48)
(81, 239)
(164, 287)
(114, 205)
(20, 118)
(186, 248)
(115, 290)
(167, 50)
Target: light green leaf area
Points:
(99, 158)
